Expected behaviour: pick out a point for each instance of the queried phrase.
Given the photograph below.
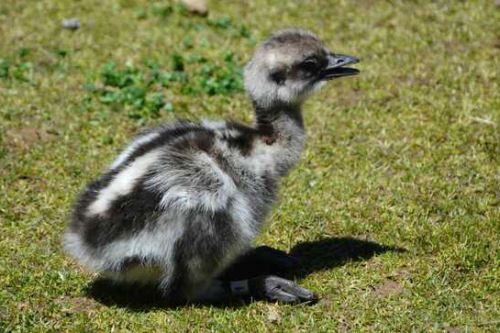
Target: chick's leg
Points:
(260, 261)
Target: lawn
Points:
(394, 207)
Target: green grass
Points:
(406, 155)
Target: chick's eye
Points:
(309, 65)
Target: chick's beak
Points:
(335, 67)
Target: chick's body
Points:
(181, 202)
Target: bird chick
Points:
(181, 205)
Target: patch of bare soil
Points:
(77, 304)
(27, 137)
(387, 288)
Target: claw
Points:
(273, 288)
(278, 295)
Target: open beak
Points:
(335, 67)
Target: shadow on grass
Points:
(138, 298)
(314, 256)
(329, 253)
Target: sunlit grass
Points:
(405, 155)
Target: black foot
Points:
(276, 289)
(262, 260)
